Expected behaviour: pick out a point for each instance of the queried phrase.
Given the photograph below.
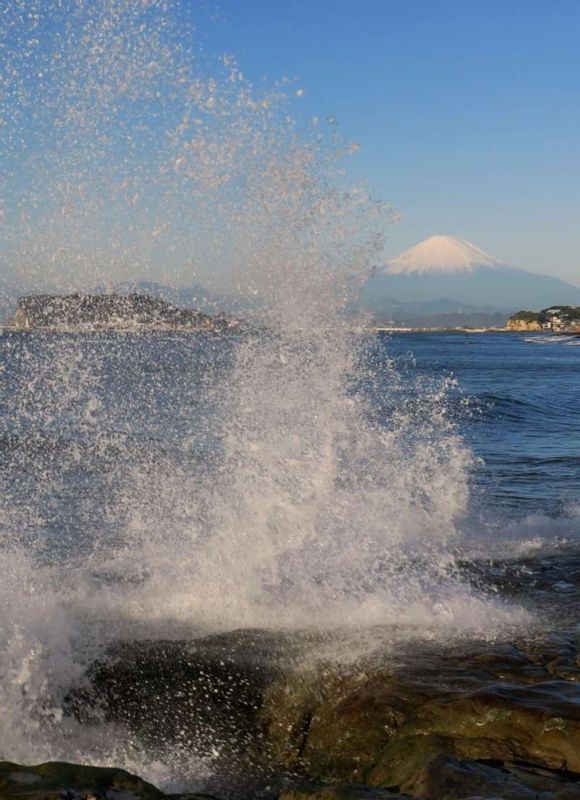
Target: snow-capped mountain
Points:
(446, 268)
(441, 254)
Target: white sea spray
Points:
(131, 154)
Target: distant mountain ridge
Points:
(449, 269)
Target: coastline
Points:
(160, 328)
(394, 329)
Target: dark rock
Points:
(211, 687)
(203, 696)
(380, 725)
(339, 792)
(110, 311)
(479, 719)
(60, 781)
(447, 778)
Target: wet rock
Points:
(381, 725)
(199, 694)
(339, 792)
(181, 697)
(334, 724)
(447, 778)
(427, 721)
(60, 781)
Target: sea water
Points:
(303, 475)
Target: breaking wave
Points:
(166, 487)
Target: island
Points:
(557, 319)
(81, 312)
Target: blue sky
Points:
(467, 111)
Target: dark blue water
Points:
(523, 394)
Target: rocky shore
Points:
(423, 720)
(313, 716)
(499, 722)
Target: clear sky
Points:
(468, 111)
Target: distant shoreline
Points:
(119, 329)
(79, 313)
(475, 330)
(394, 329)
(184, 329)
(144, 329)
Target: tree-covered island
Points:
(111, 312)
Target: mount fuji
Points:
(456, 275)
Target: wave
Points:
(561, 340)
(276, 499)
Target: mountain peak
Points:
(441, 254)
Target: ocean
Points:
(297, 562)
(81, 412)
(525, 426)
(173, 488)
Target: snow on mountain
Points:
(441, 254)
(460, 274)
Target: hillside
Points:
(556, 318)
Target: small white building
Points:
(554, 322)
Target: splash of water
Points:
(127, 158)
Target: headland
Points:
(132, 312)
